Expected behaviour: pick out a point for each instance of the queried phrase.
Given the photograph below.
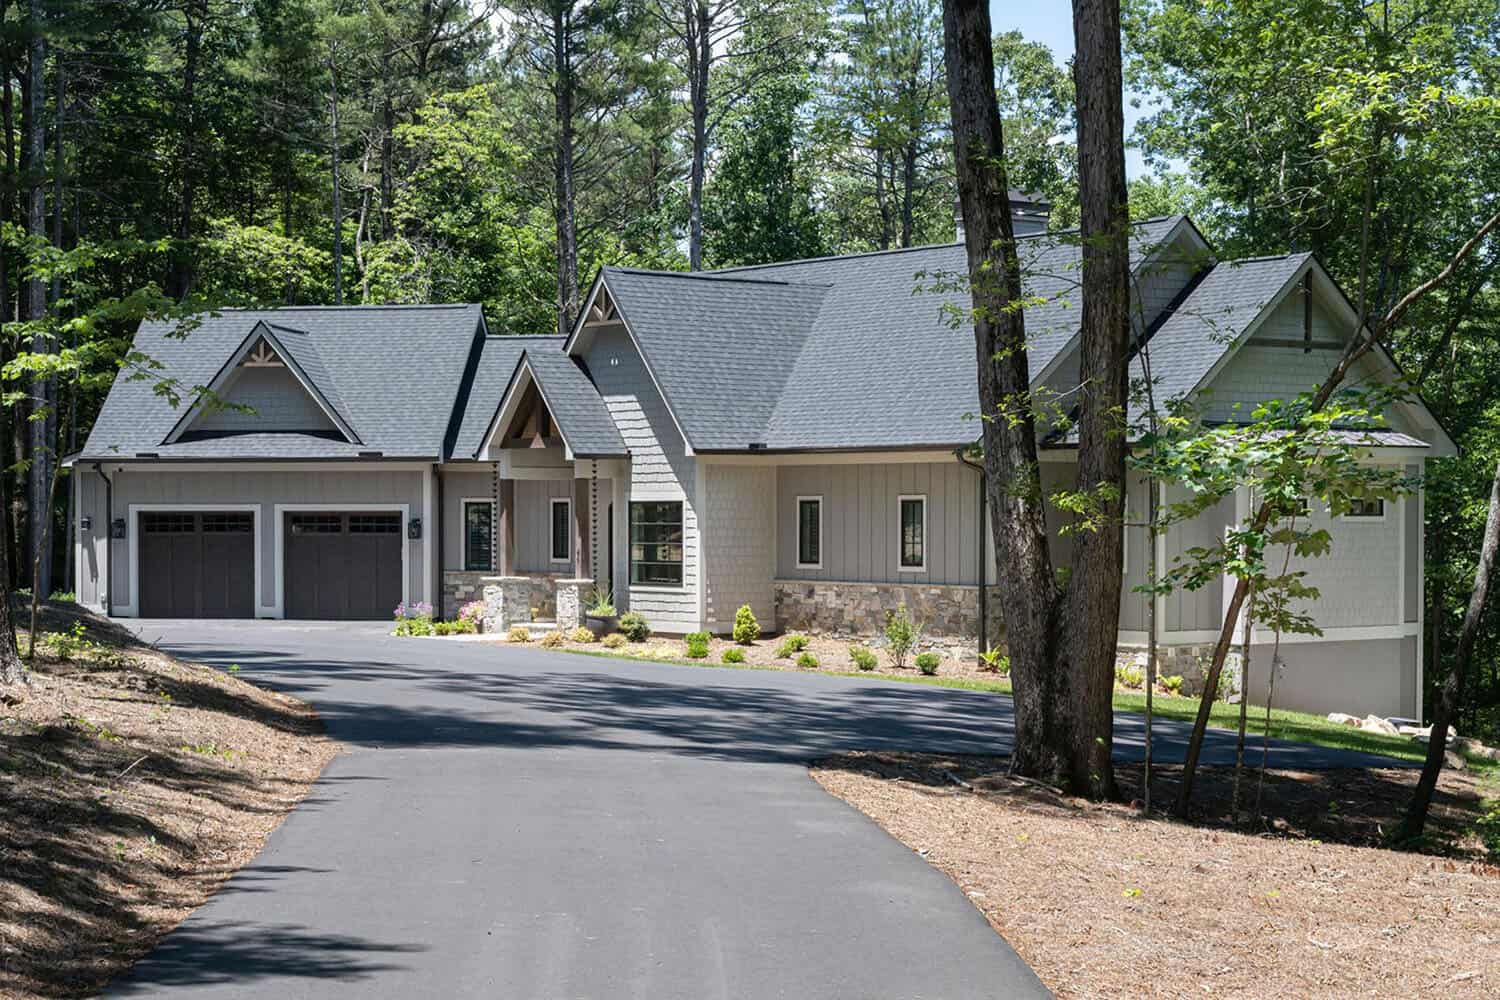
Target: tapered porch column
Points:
(505, 525)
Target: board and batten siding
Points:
(660, 469)
(460, 483)
(330, 490)
(860, 530)
(277, 399)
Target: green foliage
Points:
(862, 658)
(462, 626)
(602, 603)
(792, 643)
(807, 661)
(697, 644)
(1173, 684)
(582, 634)
(554, 639)
(1130, 676)
(733, 655)
(901, 634)
(613, 641)
(634, 627)
(415, 626)
(518, 633)
(746, 628)
(1488, 826)
(995, 661)
(928, 663)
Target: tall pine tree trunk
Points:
(43, 390)
(338, 187)
(564, 108)
(194, 13)
(1446, 705)
(700, 57)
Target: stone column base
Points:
(507, 602)
(570, 597)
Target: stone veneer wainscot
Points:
(858, 610)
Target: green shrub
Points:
(701, 636)
(901, 634)
(613, 641)
(582, 634)
(634, 627)
(807, 661)
(994, 661)
(863, 658)
(1489, 826)
(1129, 675)
(442, 628)
(734, 655)
(519, 633)
(602, 603)
(746, 628)
(697, 649)
(793, 643)
(928, 663)
(415, 626)
(1173, 684)
(553, 639)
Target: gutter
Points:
(984, 569)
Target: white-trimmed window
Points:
(911, 533)
(1366, 509)
(810, 532)
(479, 535)
(562, 529)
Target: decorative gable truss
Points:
(274, 381)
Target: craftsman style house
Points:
(787, 436)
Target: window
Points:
(374, 524)
(656, 543)
(810, 532)
(317, 524)
(562, 528)
(1367, 508)
(912, 526)
(479, 535)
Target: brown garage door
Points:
(197, 564)
(342, 565)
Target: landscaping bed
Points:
(132, 784)
(1103, 902)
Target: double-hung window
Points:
(809, 532)
(656, 543)
(479, 534)
(911, 527)
(562, 530)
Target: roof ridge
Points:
(1265, 258)
(346, 308)
(718, 276)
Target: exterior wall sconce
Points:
(86, 523)
(117, 528)
(414, 528)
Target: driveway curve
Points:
(514, 823)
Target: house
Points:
(786, 436)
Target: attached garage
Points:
(342, 565)
(197, 564)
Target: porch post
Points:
(582, 565)
(505, 525)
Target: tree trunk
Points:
(15, 530)
(1446, 704)
(182, 258)
(338, 194)
(699, 60)
(1012, 474)
(567, 228)
(43, 390)
(908, 193)
(387, 155)
(1092, 602)
(12, 673)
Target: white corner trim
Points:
(902, 498)
(278, 558)
(552, 504)
(797, 555)
(133, 548)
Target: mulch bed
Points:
(1103, 902)
(132, 784)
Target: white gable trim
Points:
(262, 329)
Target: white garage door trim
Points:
(133, 548)
(278, 610)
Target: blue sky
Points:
(1051, 23)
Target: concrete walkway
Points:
(513, 823)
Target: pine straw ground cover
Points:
(131, 785)
(1104, 903)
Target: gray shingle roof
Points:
(841, 352)
(575, 404)
(252, 446)
(1226, 300)
(395, 371)
(305, 355)
(497, 363)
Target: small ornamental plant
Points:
(807, 661)
(928, 663)
(994, 661)
(554, 639)
(746, 628)
(901, 634)
(697, 645)
(613, 641)
(634, 627)
(408, 611)
(472, 612)
(582, 634)
(519, 633)
(863, 658)
(602, 603)
(790, 644)
(734, 654)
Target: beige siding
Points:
(278, 400)
(1359, 678)
(1357, 579)
(660, 469)
(473, 482)
(1188, 611)
(738, 554)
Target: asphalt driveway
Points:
(521, 824)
